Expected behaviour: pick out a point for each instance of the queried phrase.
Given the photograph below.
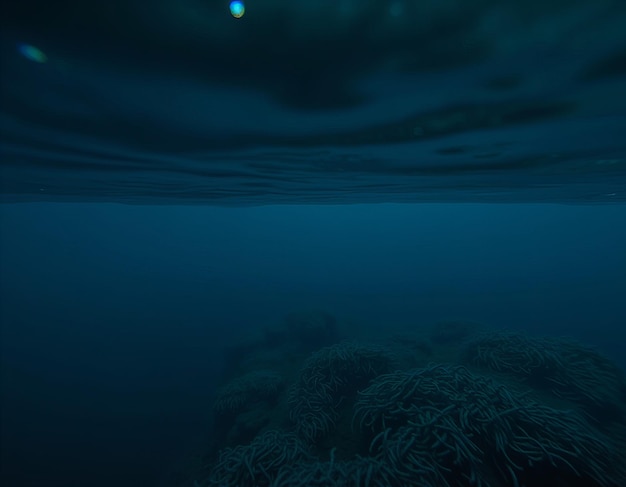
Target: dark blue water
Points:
(175, 182)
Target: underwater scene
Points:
(325, 243)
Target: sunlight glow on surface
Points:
(237, 8)
(32, 53)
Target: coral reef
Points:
(439, 424)
(589, 378)
(563, 367)
(258, 463)
(428, 409)
(328, 376)
(244, 392)
(336, 473)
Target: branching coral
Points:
(588, 377)
(327, 377)
(513, 353)
(347, 473)
(435, 426)
(566, 368)
(247, 390)
(439, 423)
(258, 463)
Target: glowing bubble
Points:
(32, 53)
(237, 9)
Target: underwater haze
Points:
(313, 243)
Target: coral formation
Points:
(244, 392)
(258, 463)
(327, 377)
(337, 473)
(501, 410)
(441, 423)
(563, 367)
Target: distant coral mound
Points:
(328, 377)
(563, 367)
(244, 392)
